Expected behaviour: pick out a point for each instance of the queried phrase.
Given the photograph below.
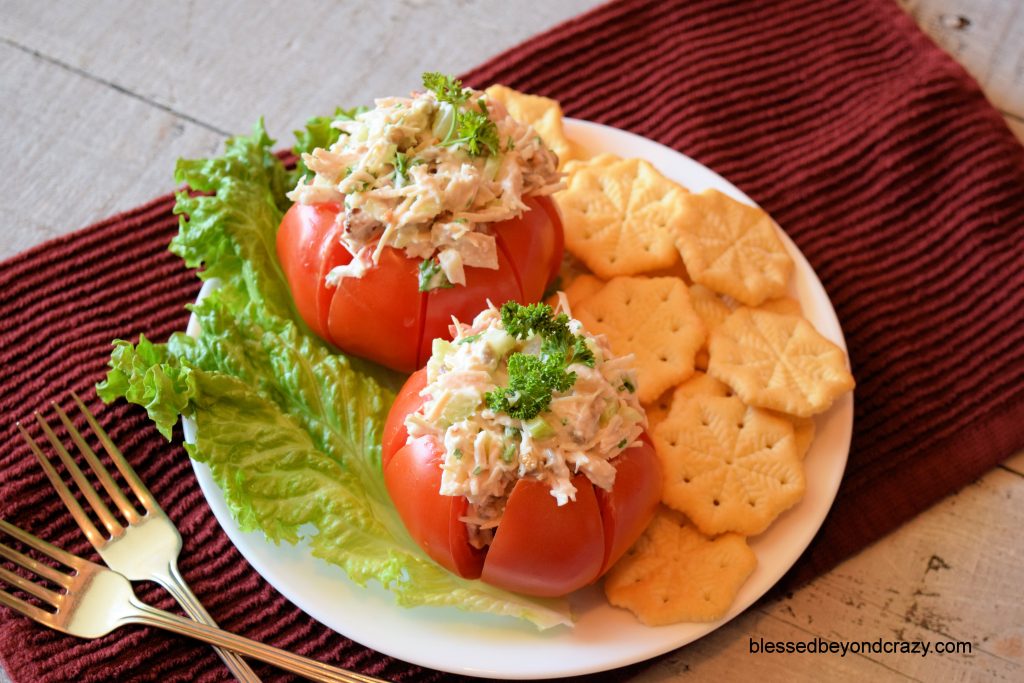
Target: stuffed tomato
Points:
(426, 207)
(519, 455)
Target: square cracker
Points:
(620, 216)
(674, 573)
(653, 319)
(733, 248)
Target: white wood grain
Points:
(78, 151)
(986, 37)
(98, 98)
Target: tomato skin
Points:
(431, 519)
(629, 507)
(307, 248)
(383, 316)
(407, 402)
(536, 250)
(375, 316)
(543, 548)
(540, 548)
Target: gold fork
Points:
(148, 547)
(88, 600)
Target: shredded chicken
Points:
(401, 186)
(487, 452)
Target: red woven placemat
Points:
(875, 152)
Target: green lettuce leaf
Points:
(289, 428)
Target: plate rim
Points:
(252, 545)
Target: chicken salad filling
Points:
(525, 392)
(427, 174)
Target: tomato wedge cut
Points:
(530, 243)
(465, 302)
(545, 549)
(433, 521)
(376, 315)
(406, 403)
(628, 508)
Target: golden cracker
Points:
(620, 216)
(673, 573)
(778, 361)
(727, 466)
(542, 113)
(653, 319)
(733, 248)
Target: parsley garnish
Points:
(622, 444)
(432, 277)
(533, 379)
(473, 129)
(402, 163)
(445, 88)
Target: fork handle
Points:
(175, 584)
(303, 666)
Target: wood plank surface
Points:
(98, 98)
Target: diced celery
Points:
(499, 341)
(610, 409)
(630, 414)
(461, 406)
(539, 428)
(440, 348)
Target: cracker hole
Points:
(664, 600)
(663, 358)
(707, 597)
(752, 503)
(716, 502)
(686, 480)
(783, 481)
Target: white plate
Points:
(603, 637)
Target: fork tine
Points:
(127, 509)
(43, 570)
(99, 507)
(30, 587)
(29, 610)
(52, 551)
(84, 523)
(141, 492)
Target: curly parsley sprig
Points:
(532, 380)
(471, 128)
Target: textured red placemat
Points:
(876, 153)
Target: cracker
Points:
(698, 383)
(779, 362)
(712, 311)
(653, 319)
(581, 287)
(733, 248)
(542, 113)
(620, 216)
(658, 410)
(785, 305)
(674, 573)
(727, 466)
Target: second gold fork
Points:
(148, 547)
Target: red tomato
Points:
(383, 316)
(540, 548)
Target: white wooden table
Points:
(98, 99)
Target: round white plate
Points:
(603, 637)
